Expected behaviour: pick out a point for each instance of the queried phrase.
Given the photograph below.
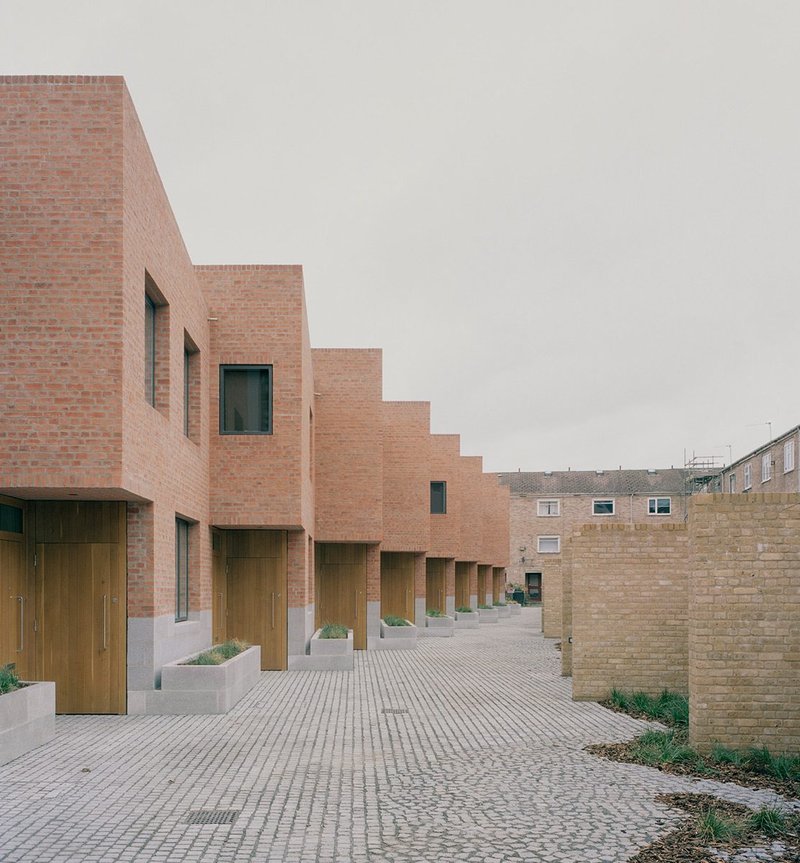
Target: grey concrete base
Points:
(488, 615)
(200, 689)
(503, 611)
(467, 620)
(419, 611)
(300, 628)
(514, 609)
(329, 654)
(450, 605)
(473, 600)
(439, 627)
(374, 619)
(27, 719)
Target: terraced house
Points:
(177, 464)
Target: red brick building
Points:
(177, 465)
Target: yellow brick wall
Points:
(744, 629)
(629, 609)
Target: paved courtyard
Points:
(468, 749)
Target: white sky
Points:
(571, 226)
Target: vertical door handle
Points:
(105, 621)
(356, 604)
(273, 611)
(21, 601)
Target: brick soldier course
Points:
(467, 749)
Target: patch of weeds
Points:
(671, 708)
(334, 630)
(464, 609)
(434, 612)
(722, 755)
(8, 679)
(484, 606)
(219, 653)
(394, 620)
(780, 766)
(714, 827)
(499, 604)
(663, 747)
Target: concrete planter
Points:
(189, 689)
(331, 654)
(398, 637)
(439, 627)
(488, 615)
(514, 610)
(27, 719)
(503, 611)
(467, 620)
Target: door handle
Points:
(273, 611)
(105, 621)
(356, 605)
(21, 601)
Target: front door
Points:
(341, 588)
(435, 584)
(483, 586)
(462, 585)
(255, 592)
(80, 572)
(16, 606)
(397, 584)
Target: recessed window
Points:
(191, 389)
(748, 476)
(659, 506)
(766, 467)
(438, 498)
(548, 544)
(150, 351)
(732, 483)
(181, 569)
(604, 506)
(788, 456)
(245, 399)
(156, 347)
(10, 518)
(549, 507)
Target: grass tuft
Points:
(768, 821)
(668, 707)
(484, 606)
(394, 620)
(334, 630)
(434, 612)
(713, 826)
(464, 609)
(8, 679)
(220, 653)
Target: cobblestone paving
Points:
(468, 749)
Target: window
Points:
(150, 351)
(245, 394)
(549, 544)
(659, 506)
(181, 569)
(603, 507)
(732, 483)
(10, 518)
(191, 389)
(549, 507)
(438, 498)
(766, 467)
(788, 456)
(748, 476)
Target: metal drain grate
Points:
(395, 710)
(213, 816)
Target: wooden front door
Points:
(462, 585)
(16, 591)
(498, 593)
(219, 588)
(483, 587)
(255, 592)
(397, 584)
(435, 584)
(80, 573)
(341, 588)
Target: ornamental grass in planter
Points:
(438, 624)
(27, 714)
(502, 609)
(467, 617)
(487, 613)
(397, 632)
(219, 653)
(332, 648)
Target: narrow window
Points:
(659, 506)
(603, 507)
(245, 399)
(788, 456)
(549, 544)
(732, 483)
(181, 569)
(766, 467)
(150, 351)
(438, 498)
(748, 477)
(549, 507)
(191, 389)
(186, 391)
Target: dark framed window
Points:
(659, 506)
(603, 507)
(10, 518)
(438, 498)
(245, 399)
(150, 351)
(181, 569)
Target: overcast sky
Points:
(574, 227)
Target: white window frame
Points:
(788, 456)
(556, 550)
(748, 477)
(732, 483)
(610, 500)
(654, 501)
(766, 466)
(548, 501)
